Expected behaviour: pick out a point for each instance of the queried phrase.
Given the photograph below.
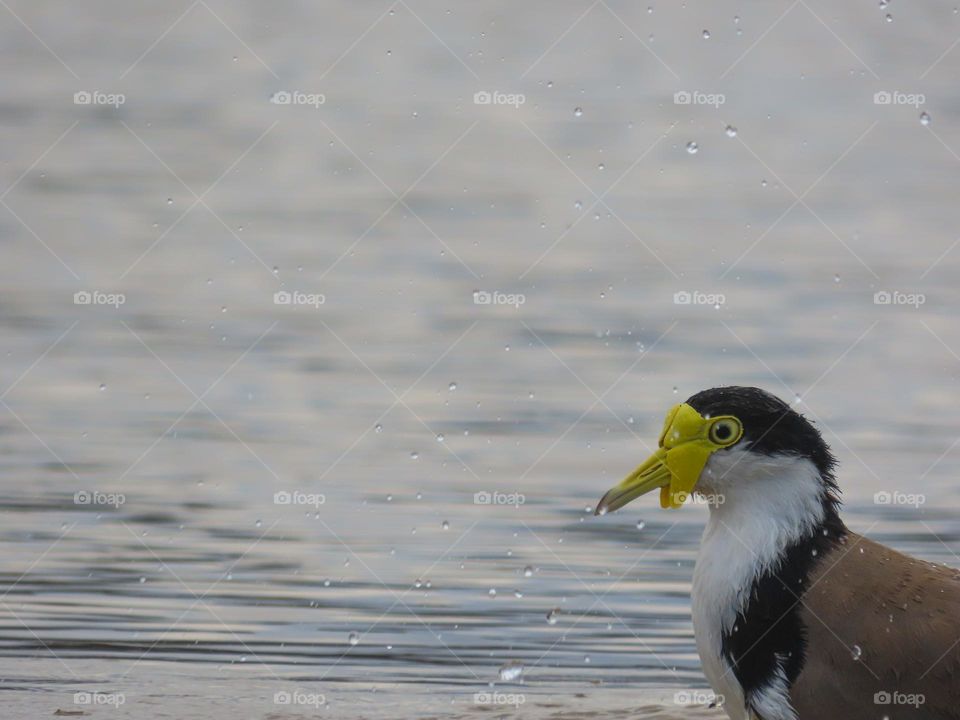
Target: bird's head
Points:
(722, 440)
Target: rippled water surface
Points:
(214, 502)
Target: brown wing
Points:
(883, 637)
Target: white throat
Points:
(762, 505)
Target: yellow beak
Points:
(652, 474)
(675, 467)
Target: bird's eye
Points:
(725, 431)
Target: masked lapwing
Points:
(795, 616)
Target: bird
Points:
(796, 617)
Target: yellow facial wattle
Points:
(686, 443)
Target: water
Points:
(255, 425)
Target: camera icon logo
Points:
(282, 498)
(482, 297)
(882, 498)
(82, 298)
(82, 497)
(682, 298)
(882, 698)
(282, 97)
(282, 297)
(282, 698)
(882, 298)
(882, 98)
(482, 498)
(82, 98)
(482, 98)
(682, 98)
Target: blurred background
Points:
(326, 326)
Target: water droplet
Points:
(577, 112)
(601, 166)
(553, 616)
(705, 34)
(378, 427)
(641, 524)
(354, 638)
(528, 571)
(142, 580)
(674, 389)
(924, 118)
(511, 671)
(445, 525)
(102, 387)
(856, 652)
(577, 205)
(440, 437)
(169, 201)
(692, 147)
(452, 386)
(492, 592)
(414, 455)
(888, 18)
(731, 131)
